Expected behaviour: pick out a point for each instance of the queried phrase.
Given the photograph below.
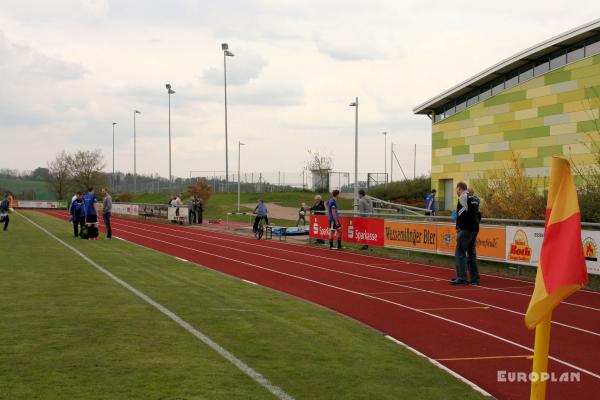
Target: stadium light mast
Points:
(226, 53)
(134, 153)
(385, 155)
(355, 105)
(113, 169)
(170, 92)
(240, 144)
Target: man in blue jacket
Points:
(91, 218)
(77, 211)
(430, 203)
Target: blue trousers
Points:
(466, 255)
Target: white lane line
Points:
(441, 366)
(250, 282)
(254, 375)
(181, 259)
(500, 338)
(439, 292)
(374, 266)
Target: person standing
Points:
(77, 211)
(199, 210)
(334, 220)
(261, 213)
(318, 208)
(302, 215)
(365, 208)
(5, 210)
(106, 211)
(430, 203)
(192, 210)
(467, 226)
(91, 217)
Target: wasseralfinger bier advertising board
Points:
(125, 209)
(512, 244)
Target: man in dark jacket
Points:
(467, 227)
(77, 211)
(5, 209)
(318, 208)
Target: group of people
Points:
(5, 209)
(195, 210)
(84, 214)
(365, 207)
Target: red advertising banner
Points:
(319, 227)
(363, 230)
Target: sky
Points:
(72, 67)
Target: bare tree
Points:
(59, 174)
(86, 169)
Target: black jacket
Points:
(468, 218)
(319, 208)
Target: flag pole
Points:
(540, 359)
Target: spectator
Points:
(5, 209)
(365, 207)
(199, 209)
(91, 218)
(430, 203)
(334, 221)
(106, 212)
(302, 215)
(77, 211)
(261, 213)
(318, 208)
(467, 227)
(192, 210)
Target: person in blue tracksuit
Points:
(77, 211)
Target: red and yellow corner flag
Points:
(561, 270)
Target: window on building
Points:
(575, 55)
(592, 48)
(541, 68)
(558, 61)
(511, 80)
(450, 111)
(526, 74)
(497, 86)
(473, 99)
(461, 106)
(485, 93)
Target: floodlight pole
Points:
(355, 105)
(240, 144)
(113, 157)
(385, 155)
(391, 162)
(134, 153)
(226, 53)
(170, 92)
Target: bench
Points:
(281, 232)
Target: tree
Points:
(588, 176)
(510, 193)
(59, 175)
(86, 169)
(40, 174)
(320, 167)
(201, 189)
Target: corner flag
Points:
(561, 270)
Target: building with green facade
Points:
(543, 101)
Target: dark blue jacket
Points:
(77, 209)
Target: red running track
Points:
(474, 331)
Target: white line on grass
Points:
(254, 375)
(441, 366)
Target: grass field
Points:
(69, 332)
